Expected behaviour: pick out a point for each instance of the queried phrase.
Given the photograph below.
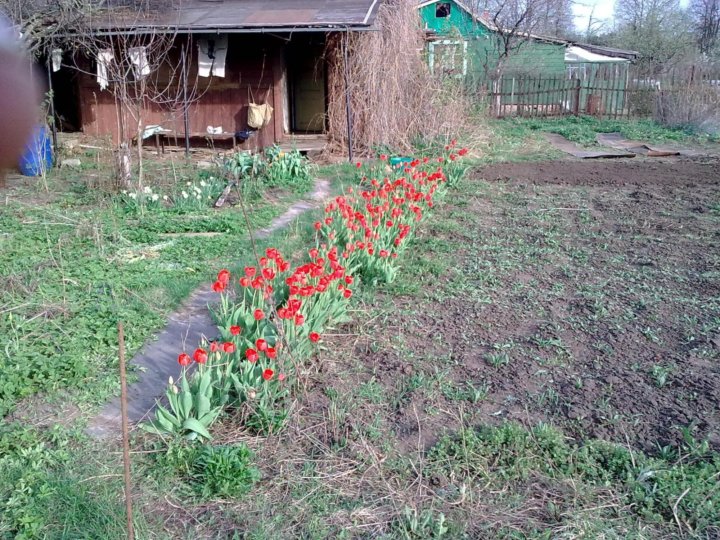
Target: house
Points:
(223, 56)
(463, 42)
(554, 74)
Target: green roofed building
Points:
(466, 44)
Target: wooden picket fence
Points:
(610, 91)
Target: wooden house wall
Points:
(253, 72)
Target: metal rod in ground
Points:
(125, 437)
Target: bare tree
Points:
(659, 29)
(706, 20)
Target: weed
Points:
(656, 488)
(497, 359)
(466, 392)
(660, 374)
(421, 525)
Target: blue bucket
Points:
(37, 155)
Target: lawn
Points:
(544, 366)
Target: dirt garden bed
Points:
(583, 294)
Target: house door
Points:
(306, 74)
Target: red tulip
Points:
(251, 355)
(271, 253)
(268, 273)
(214, 346)
(223, 276)
(229, 347)
(314, 337)
(318, 225)
(245, 281)
(347, 293)
(235, 330)
(299, 320)
(184, 360)
(258, 314)
(349, 280)
(281, 377)
(218, 286)
(271, 353)
(268, 374)
(200, 356)
(261, 345)
(358, 165)
(250, 271)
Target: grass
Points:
(583, 130)
(75, 260)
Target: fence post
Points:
(576, 96)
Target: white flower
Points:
(124, 191)
(132, 195)
(185, 195)
(155, 196)
(165, 197)
(198, 197)
(189, 183)
(202, 183)
(147, 190)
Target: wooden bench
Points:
(160, 138)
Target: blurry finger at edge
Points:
(19, 98)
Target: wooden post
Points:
(576, 96)
(125, 436)
(186, 118)
(51, 107)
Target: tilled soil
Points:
(585, 294)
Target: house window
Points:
(576, 72)
(448, 58)
(442, 10)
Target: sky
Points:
(600, 9)
(603, 10)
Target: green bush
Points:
(212, 472)
(274, 168)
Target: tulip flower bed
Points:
(272, 317)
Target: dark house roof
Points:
(240, 16)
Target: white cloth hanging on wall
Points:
(104, 58)
(212, 51)
(138, 58)
(56, 58)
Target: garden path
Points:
(157, 359)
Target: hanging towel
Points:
(56, 58)
(212, 51)
(104, 58)
(138, 58)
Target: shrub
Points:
(223, 471)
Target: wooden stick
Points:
(125, 437)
